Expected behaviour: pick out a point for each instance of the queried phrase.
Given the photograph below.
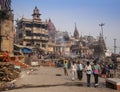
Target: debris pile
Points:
(8, 72)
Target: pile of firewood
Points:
(8, 72)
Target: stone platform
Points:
(113, 83)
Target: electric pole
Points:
(115, 46)
(115, 63)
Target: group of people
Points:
(92, 69)
(78, 68)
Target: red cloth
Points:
(6, 57)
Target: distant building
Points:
(63, 43)
(51, 30)
(100, 47)
(32, 32)
(62, 37)
(43, 35)
(81, 45)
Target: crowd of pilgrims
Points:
(77, 67)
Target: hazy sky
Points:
(87, 14)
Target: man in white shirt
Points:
(79, 70)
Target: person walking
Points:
(96, 71)
(6, 57)
(73, 70)
(88, 70)
(79, 70)
(103, 73)
(65, 66)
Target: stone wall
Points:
(118, 70)
(7, 33)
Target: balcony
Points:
(36, 37)
(27, 37)
(27, 28)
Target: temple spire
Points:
(76, 33)
(102, 42)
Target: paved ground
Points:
(50, 79)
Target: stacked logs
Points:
(8, 72)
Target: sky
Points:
(87, 14)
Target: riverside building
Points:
(32, 32)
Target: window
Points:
(28, 25)
(20, 35)
(37, 44)
(37, 25)
(44, 45)
(21, 43)
(28, 33)
(28, 44)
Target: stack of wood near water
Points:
(48, 63)
(8, 72)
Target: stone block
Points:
(113, 83)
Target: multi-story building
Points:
(63, 43)
(5, 4)
(32, 32)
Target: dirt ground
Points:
(51, 79)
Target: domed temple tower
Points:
(102, 44)
(51, 30)
(100, 47)
(36, 14)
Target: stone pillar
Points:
(7, 33)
